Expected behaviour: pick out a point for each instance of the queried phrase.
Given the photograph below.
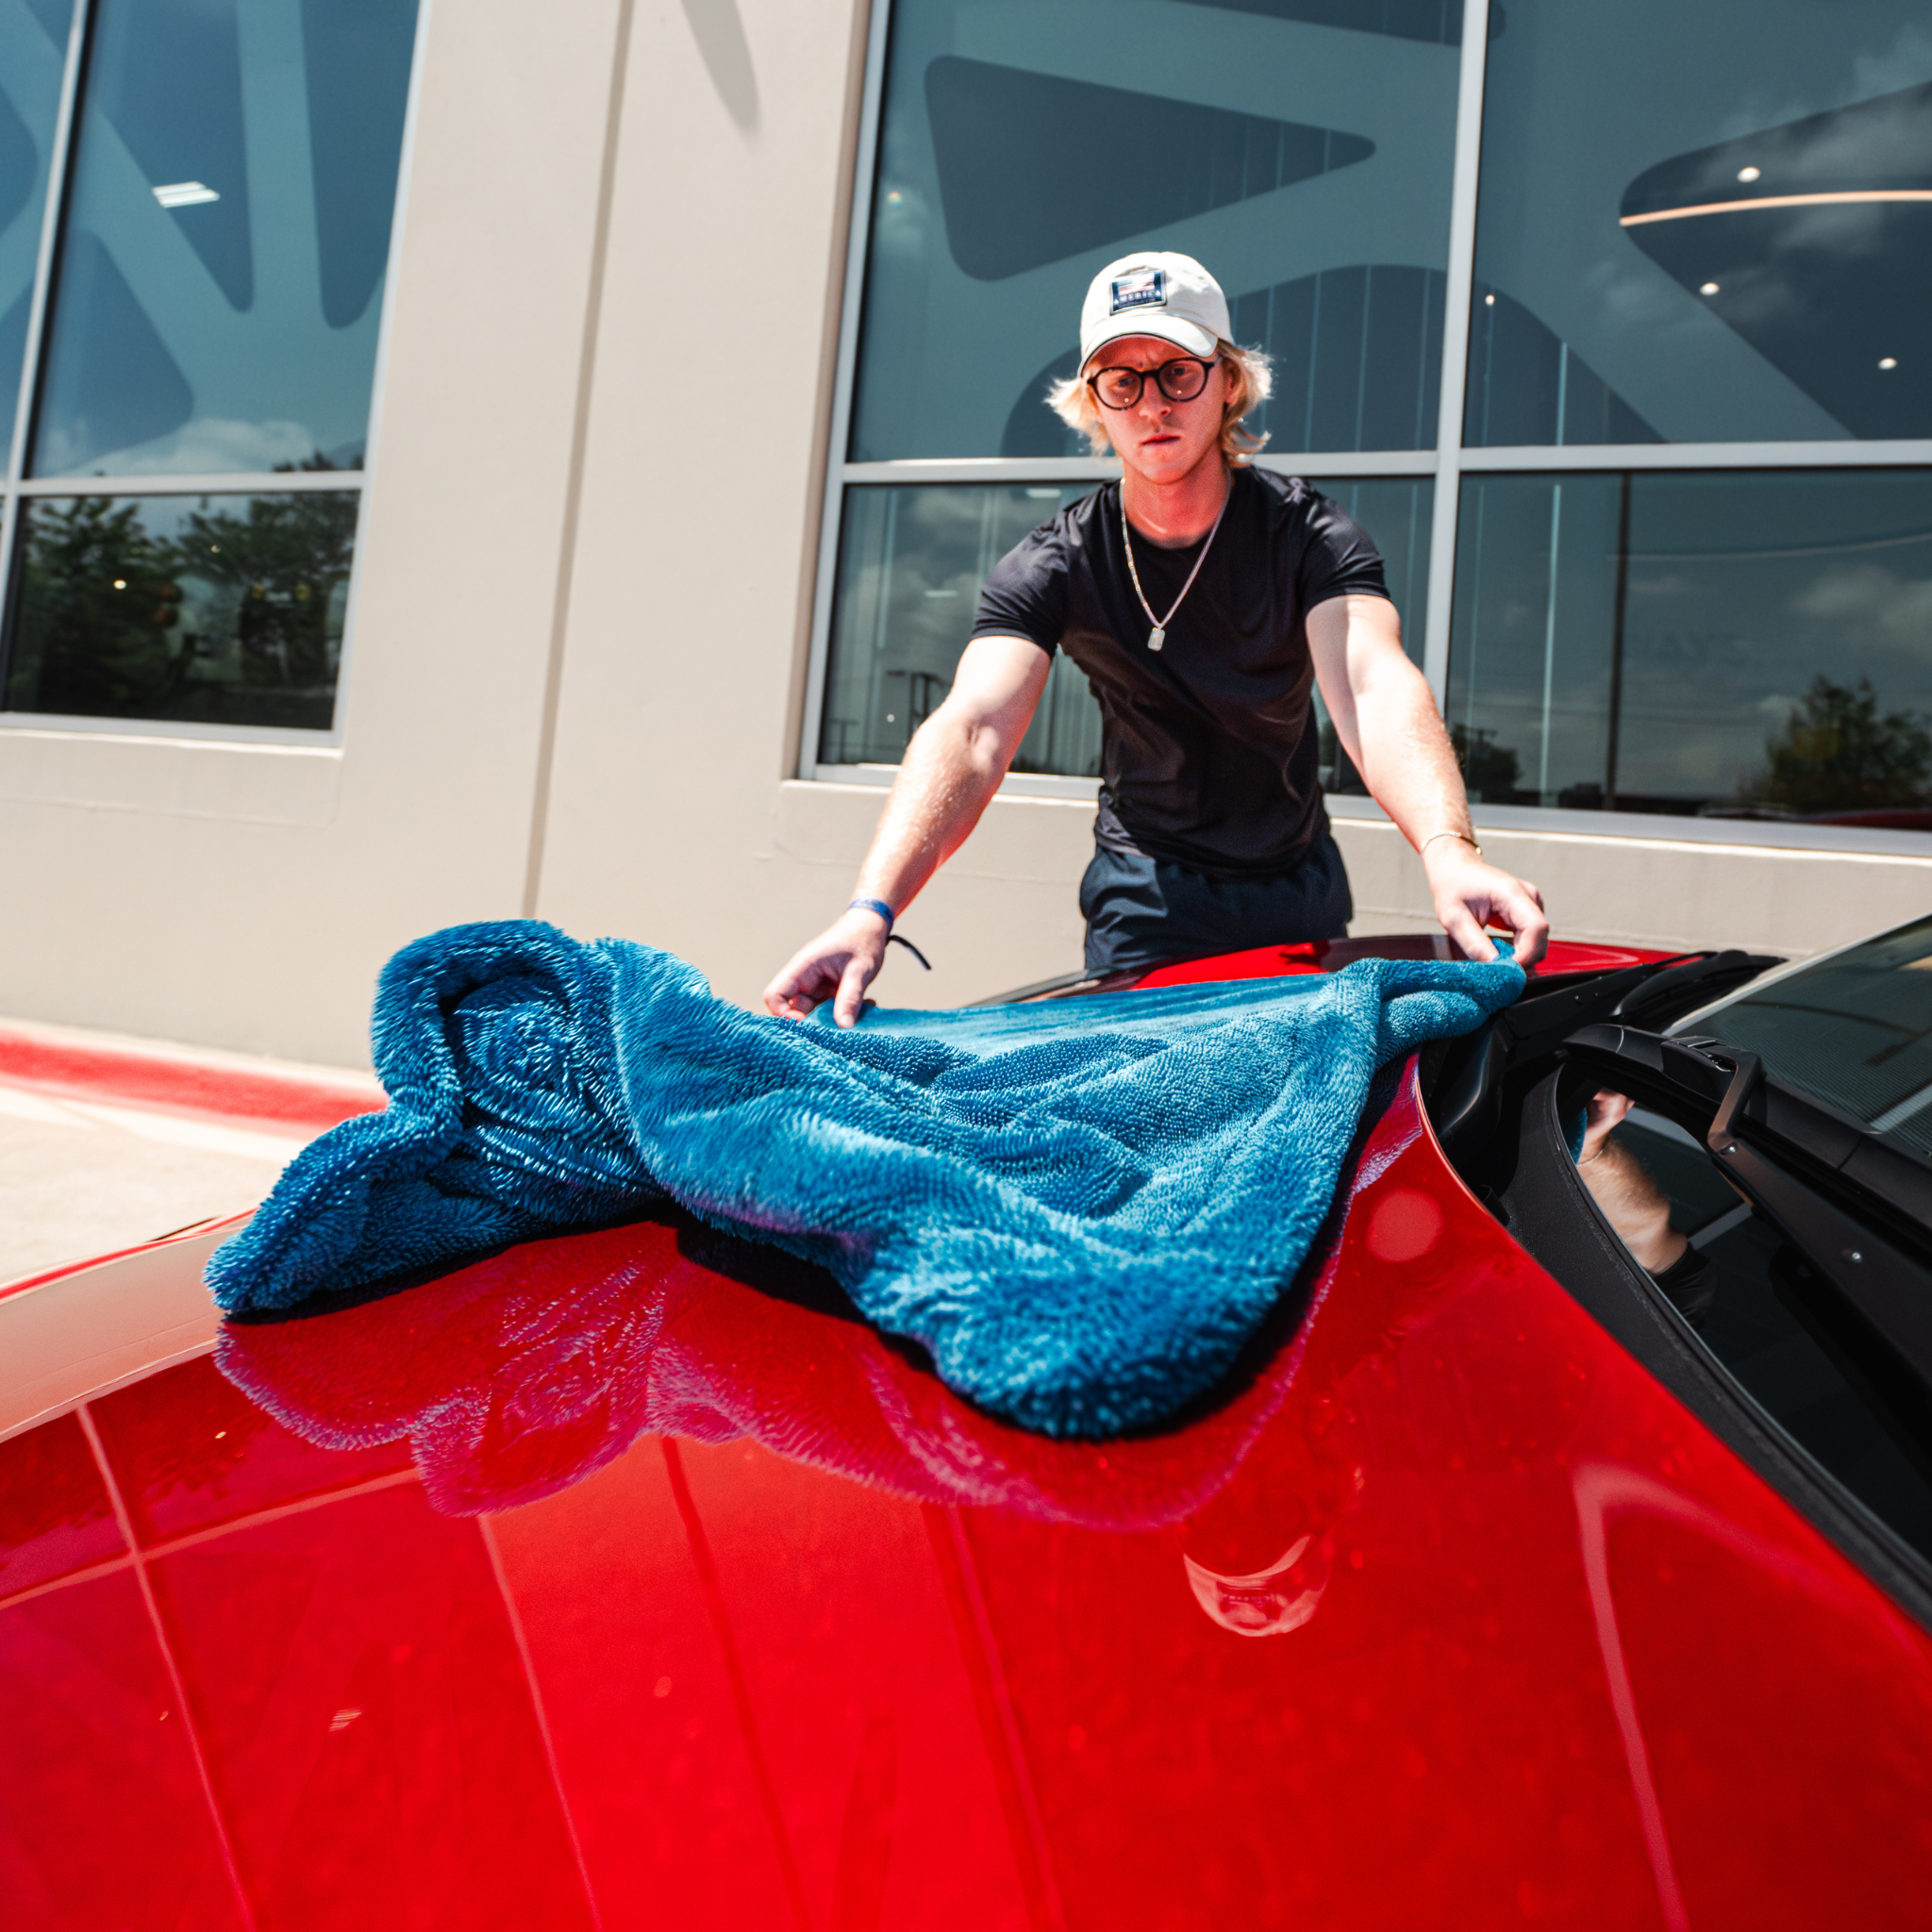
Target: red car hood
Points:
(626, 1580)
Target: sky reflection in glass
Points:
(1302, 151)
(1746, 643)
(1703, 223)
(33, 49)
(223, 246)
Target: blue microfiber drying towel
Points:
(1081, 1208)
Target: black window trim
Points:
(1552, 1214)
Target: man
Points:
(1202, 597)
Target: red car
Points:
(629, 1580)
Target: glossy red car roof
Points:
(1449, 1615)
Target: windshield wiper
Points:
(1466, 1100)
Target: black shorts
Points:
(1140, 910)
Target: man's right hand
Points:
(843, 960)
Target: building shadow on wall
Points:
(720, 35)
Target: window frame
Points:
(17, 488)
(1447, 463)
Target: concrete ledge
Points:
(226, 781)
(1010, 891)
(1655, 828)
(1675, 893)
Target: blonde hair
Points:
(1250, 382)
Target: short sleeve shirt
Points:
(1209, 751)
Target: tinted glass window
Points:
(211, 610)
(227, 231)
(1789, 1343)
(1750, 644)
(1855, 1029)
(911, 560)
(33, 48)
(1300, 148)
(1531, 641)
(1703, 223)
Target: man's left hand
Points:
(1470, 893)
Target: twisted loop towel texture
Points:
(1081, 1210)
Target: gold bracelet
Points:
(1434, 836)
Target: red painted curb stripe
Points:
(82, 1069)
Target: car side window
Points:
(1782, 1333)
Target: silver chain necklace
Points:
(1157, 635)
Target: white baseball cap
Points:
(1171, 296)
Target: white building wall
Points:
(246, 895)
(615, 596)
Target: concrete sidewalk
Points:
(107, 1141)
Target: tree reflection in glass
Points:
(1838, 752)
(214, 609)
(1720, 644)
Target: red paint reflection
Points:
(1331, 956)
(54, 1506)
(1447, 1602)
(522, 1374)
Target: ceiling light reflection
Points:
(1725, 208)
(184, 193)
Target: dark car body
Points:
(627, 1579)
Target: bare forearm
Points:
(952, 767)
(1386, 718)
(1634, 1204)
(1404, 756)
(951, 770)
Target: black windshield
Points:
(1855, 1030)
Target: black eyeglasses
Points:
(1180, 381)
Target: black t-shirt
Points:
(1208, 755)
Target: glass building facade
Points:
(1607, 322)
(196, 199)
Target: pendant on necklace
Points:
(1157, 637)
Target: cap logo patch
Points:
(1141, 288)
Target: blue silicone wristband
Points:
(878, 906)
